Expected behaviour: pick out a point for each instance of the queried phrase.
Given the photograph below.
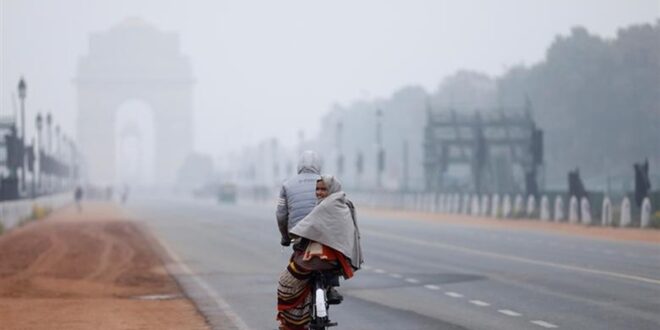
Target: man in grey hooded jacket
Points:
(297, 196)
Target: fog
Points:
(269, 78)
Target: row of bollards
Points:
(511, 207)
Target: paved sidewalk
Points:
(609, 233)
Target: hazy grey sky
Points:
(270, 68)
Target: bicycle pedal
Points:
(336, 301)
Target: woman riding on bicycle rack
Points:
(332, 241)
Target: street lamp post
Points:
(34, 170)
(380, 154)
(39, 124)
(22, 93)
(49, 132)
(49, 123)
(56, 156)
(340, 157)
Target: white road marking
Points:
(395, 275)
(222, 304)
(509, 312)
(412, 280)
(545, 324)
(514, 258)
(365, 267)
(479, 303)
(454, 294)
(432, 287)
(379, 271)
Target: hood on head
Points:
(309, 162)
(332, 183)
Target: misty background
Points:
(272, 78)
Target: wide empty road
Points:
(417, 275)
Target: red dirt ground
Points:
(88, 270)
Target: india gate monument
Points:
(134, 105)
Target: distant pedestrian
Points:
(124, 194)
(78, 195)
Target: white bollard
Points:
(545, 208)
(442, 207)
(433, 203)
(506, 207)
(465, 204)
(606, 213)
(474, 205)
(625, 218)
(531, 206)
(585, 209)
(573, 215)
(484, 205)
(646, 213)
(457, 203)
(518, 207)
(451, 203)
(559, 209)
(495, 206)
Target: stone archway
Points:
(134, 60)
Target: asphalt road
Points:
(417, 274)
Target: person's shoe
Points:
(333, 296)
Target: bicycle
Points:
(322, 281)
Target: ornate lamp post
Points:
(380, 153)
(49, 123)
(340, 157)
(49, 153)
(39, 123)
(57, 141)
(22, 93)
(56, 156)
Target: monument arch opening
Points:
(135, 147)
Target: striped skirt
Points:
(294, 299)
